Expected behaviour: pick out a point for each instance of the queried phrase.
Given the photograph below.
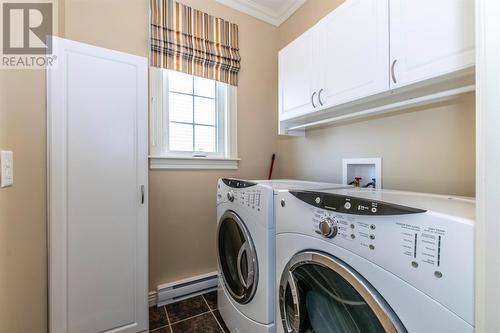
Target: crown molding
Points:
(264, 13)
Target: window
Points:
(192, 122)
(192, 114)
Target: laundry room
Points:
(249, 166)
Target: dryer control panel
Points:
(352, 205)
(431, 251)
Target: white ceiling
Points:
(271, 11)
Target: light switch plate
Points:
(7, 168)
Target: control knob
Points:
(230, 196)
(328, 228)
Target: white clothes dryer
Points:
(366, 261)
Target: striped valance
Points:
(190, 41)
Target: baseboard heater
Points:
(176, 291)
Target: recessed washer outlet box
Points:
(365, 168)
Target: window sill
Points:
(192, 163)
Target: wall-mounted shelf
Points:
(398, 100)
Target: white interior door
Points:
(355, 57)
(97, 155)
(430, 38)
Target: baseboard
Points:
(176, 291)
(152, 298)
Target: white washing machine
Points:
(246, 251)
(374, 261)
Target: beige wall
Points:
(115, 24)
(182, 203)
(431, 149)
(182, 223)
(182, 208)
(304, 18)
(23, 254)
(23, 223)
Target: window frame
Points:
(160, 155)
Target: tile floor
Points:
(196, 314)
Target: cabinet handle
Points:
(319, 97)
(312, 100)
(142, 194)
(392, 71)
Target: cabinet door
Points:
(296, 77)
(430, 38)
(98, 178)
(355, 57)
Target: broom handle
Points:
(272, 166)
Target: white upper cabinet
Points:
(352, 63)
(430, 38)
(354, 50)
(296, 64)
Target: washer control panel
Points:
(252, 198)
(240, 192)
(237, 183)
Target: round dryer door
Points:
(320, 293)
(237, 258)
